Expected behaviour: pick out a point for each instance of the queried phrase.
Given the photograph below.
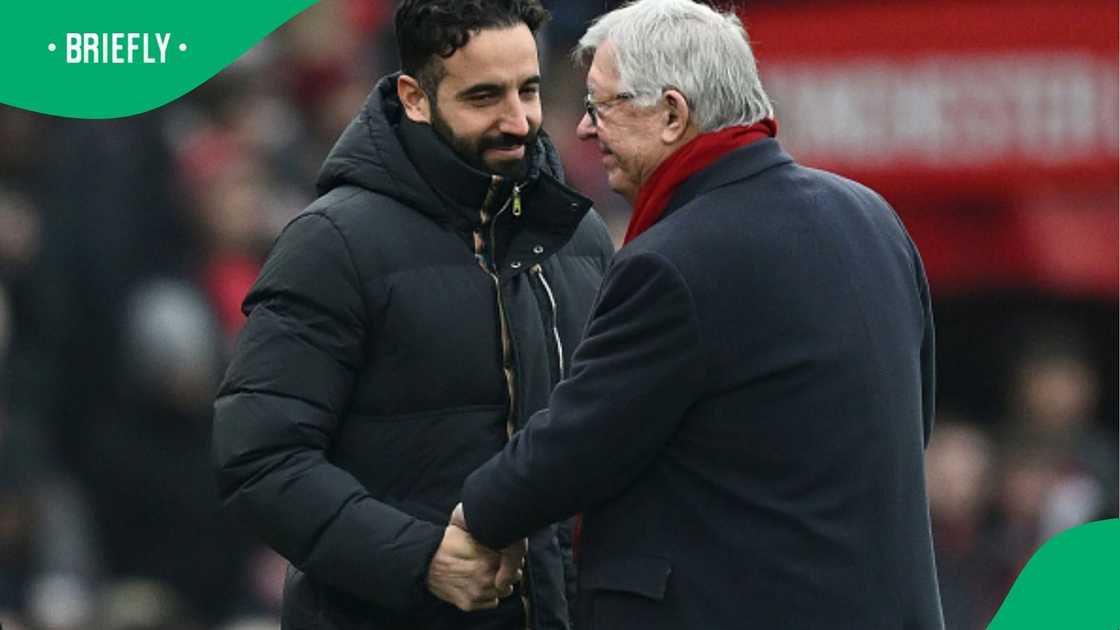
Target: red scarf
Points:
(685, 162)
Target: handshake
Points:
(470, 576)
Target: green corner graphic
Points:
(113, 59)
(1071, 583)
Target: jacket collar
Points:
(428, 177)
(740, 164)
(545, 201)
(461, 187)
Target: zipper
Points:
(507, 347)
(517, 200)
(553, 323)
(494, 236)
(491, 268)
(507, 359)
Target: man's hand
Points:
(512, 557)
(464, 573)
(458, 519)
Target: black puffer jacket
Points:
(403, 325)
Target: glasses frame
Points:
(592, 106)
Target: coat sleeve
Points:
(633, 377)
(278, 410)
(927, 352)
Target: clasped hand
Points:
(469, 575)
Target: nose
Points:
(515, 120)
(585, 130)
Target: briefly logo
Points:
(117, 48)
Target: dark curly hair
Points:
(429, 31)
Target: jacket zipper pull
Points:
(516, 200)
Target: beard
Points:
(472, 151)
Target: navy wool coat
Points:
(743, 426)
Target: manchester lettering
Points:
(117, 48)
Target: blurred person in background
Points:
(48, 559)
(403, 326)
(1055, 394)
(108, 217)
(229, 215)
(744, 425)
(21, 282)
(113, 218)
(160, 512)
(1026, 477)
(961, 474)
(1058, 469)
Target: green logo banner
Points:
(84, 59)
(1072, 582)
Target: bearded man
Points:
(405, 325)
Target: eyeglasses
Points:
(593, 107)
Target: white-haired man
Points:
(743, 425)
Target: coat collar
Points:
(737, 165)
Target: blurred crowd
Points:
(999, 489)
(126, 247)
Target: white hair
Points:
(689, 47)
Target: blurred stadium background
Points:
(126, 246)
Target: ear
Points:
(677, 117)
(417, 105)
